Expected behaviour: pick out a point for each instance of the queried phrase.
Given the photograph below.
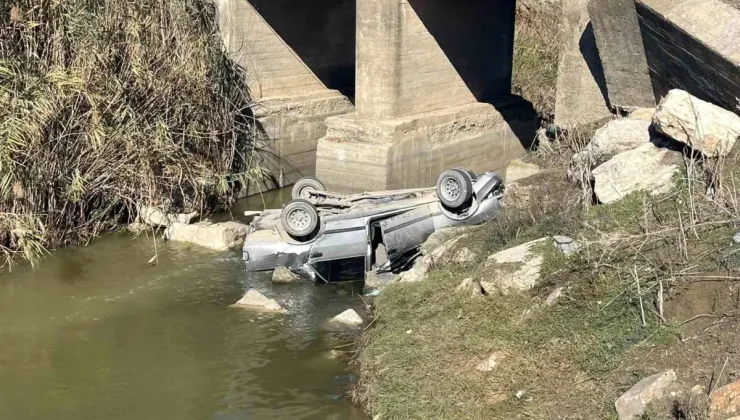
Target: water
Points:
(99, 333)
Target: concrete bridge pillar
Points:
(299, 60)
(432, 91)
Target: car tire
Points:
(299, 218)
(303, 186)
(454, 188)
(472, 174)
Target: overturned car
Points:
(333, 236)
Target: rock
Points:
(518, 195)
(517, 169)
(374, 280)
(631, 405)
(136, 228)
(736, 238)
(334, 354)
(644, 114)
(469, 287)
(566, 245)
(283, 275)
(154, 216)
(615, 137)
(257, 301)
(646, 168)
(515, 269)
(217, 236)
(520, 394)
(492, 362)
(725, 401)
(554, 296)
(349, 318)
(701, 125)
(443, 247)
(418, 272)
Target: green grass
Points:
(418, 360)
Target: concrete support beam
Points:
(291, 103)
(581, 88)
(425, 72)
(622, 54)
(693, 45)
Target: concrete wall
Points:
(291, 47)
(693, 45)
(295, 55)
(418, 56)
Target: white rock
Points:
(418, 272)
(154, 216)
(554, 296)
(492, 362)
(517, 169)
(566, 245)
(736, 238)
(257, 301)
(631, 405)
(515, 269)
(646, 168)
(469, 287)
(645, 114)
(218, 236)
(702, 125)
(283, 275)
(349, 318)
(615, 137)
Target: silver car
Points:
(333, 236)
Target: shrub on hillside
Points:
(108, 103)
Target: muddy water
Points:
(99, 333)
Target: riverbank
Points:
(108, 105)
(527, 330)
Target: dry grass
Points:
(105, 104)
(574, 359)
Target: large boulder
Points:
(418, 272)
(515, 269)
(631, 405)
(217, 236)
(646, 168)
(703, 126)
(445, 247)
(257, 301)
(725, 401)
(615, 137)
(154, 216)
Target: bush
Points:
(108, 103)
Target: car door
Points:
(407, 231)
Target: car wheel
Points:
(472, 174)
(302, 189)
(454, 188)
(299, 218)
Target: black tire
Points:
(454, 188)
(303, 185)
(299, 218)
(472, 174)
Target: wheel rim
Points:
(451, 189)
(299, 219)
(305, 192)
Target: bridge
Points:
(378, 94)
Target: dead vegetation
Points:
(654, 288)
(105, 104)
